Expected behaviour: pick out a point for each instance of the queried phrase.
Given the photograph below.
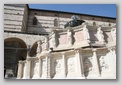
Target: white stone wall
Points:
(74, 66)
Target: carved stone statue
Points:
(58, 66)
(103, 65)
(86, 34)
(87, 66)
(53, 40)
(38, 47)
(113, 33)
(71, 65)
(69, 37)
(46, 43)
(100, 35)
(74, 22)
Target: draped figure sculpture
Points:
(86, 34)
(113, 33)
(100, 35)
(46, 43)
(69, 37)
(38, 47)
(53, 40)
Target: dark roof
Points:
(71, 13)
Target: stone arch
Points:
(33, 50)
(15, 49)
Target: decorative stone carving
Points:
(103, 64)
(100, 35)
(87, 66)
(38, 47)
(69, 37)
(86, 33)
(46, 43)
(48, 66)
(71, 65)
(53, 40)
(58, 66)
(36, 70)
(113, 33)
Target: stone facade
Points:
(41, 48)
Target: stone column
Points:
(95, 63)
(24, 69)
(28, 51)
(20, 70)
(40, 67)
(28, 71)
(63, 65)
(79, 63)
(48, 73)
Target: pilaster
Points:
(63, 65)
(95, 63)
(79, 63)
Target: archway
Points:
(33, 50)
(15, 49)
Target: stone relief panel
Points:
(104, 66)
(36, 69)
(87, 62)
(70, 65)
(57, 65)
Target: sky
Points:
(107, 10)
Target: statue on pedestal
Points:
(69, 37)
(100, 35)
(38, 47)
(46, 43)
(113, 33)
(86, 33)
(53, 40)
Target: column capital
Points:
(21, 62)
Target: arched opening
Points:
(55, 22)
(15, 49)
(34, 21)
(33, 50)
